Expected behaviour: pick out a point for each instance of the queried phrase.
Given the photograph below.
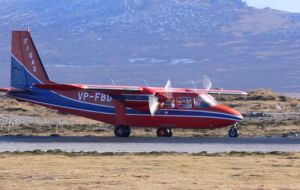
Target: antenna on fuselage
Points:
(113, 82)
(194, 85)
(145, 82)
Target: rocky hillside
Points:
(262, 101)
(130, 40)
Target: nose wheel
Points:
(122, 131)
(233, 132)
(164, 132)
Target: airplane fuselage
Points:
(102, 107)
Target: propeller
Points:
(153, 100)
(168, 91)
(206, 83)
(153, 104)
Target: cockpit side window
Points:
(199, 103)
(204, 101)
(184, 102)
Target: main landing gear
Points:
(233, 132)
(164, 132)
(122, 131)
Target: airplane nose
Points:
(232, 113)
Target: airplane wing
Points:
(116, 90)
(227, 92)
(101, 88)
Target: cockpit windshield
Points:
(204, 101)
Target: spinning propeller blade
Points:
(206, 83)
(153, 104)
(153, 100)
(168, 91)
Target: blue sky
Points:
(286, 5)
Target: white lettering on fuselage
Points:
(30, 56)
(94, 97)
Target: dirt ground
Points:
(150, 171)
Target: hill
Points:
(128, 40)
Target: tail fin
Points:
(26, 65)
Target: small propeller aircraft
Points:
(164, 108)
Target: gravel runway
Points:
(149, 144)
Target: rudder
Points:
(26, 65)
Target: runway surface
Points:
(149, 144)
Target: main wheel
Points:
(164, 132)
(233, 132)
(122, 131)
(170, 132)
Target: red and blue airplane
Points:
(164, 108)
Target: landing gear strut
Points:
(122, 131)
(164, 132)
(233, 131)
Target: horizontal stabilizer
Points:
(5, 89)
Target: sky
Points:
(285, 5)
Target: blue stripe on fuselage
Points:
(132, 97)
(187, 113)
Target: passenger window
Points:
(169, 103)
(184, 102)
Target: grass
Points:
(236, 170)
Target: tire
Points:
(122, 131)
(127, 131)
(170, 132)
(164, 132)
(233, 132)
(118, 131)
(160, 132)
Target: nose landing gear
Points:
(164, 132)
(233, 131)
